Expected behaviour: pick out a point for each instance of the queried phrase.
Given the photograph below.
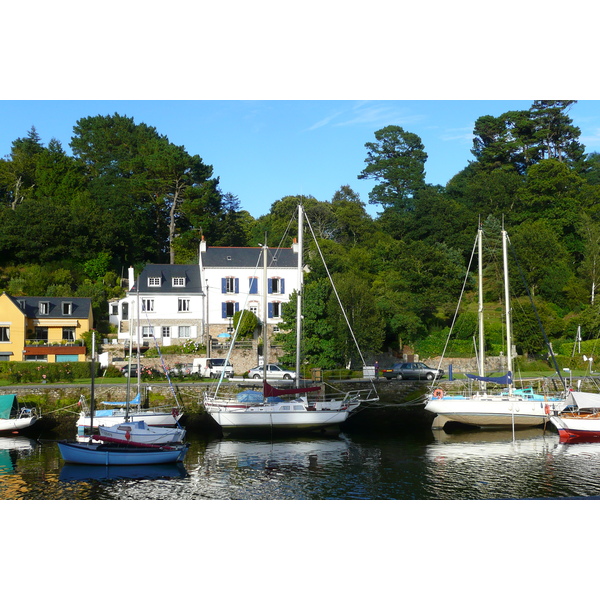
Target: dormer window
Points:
(67, 308)
(44, 308)
(178, 281)
(153, 281)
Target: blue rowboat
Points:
(90, 453)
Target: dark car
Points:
(412, 370)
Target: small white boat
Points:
(141, 432)
(580, 421)
(92, 453)
(12, 417)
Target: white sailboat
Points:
(268, 410)
(507, 408)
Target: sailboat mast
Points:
(265, 311)
(509, 365)
(299, 292)
(481, 326)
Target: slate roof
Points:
(220, 257)
(80, 307)
(191, 273)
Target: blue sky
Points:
(263, 150)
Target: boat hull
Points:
(89, 453)
(256, 419)
(8, 425)
(490, 412)
(577, 428)
(139, 432)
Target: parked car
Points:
(273, 372)
(212, 367)
(181, 370)
(412, 370)
(147, 372)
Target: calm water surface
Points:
(439, 466)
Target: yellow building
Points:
(35, 328)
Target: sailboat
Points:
(147, 421)
(509, 407)
(97, 451)
(269, 410)
(12, 416)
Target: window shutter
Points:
(237, 307)
(223, 285)
(270, 310)
(270, 286)
(237, 285)
(253, 285)
(282, 286)
(224, 309)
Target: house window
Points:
(68, 333)
(36, 357)
(230, 285)
(166, 332)
(147, 331)
(147, 304)
(184, 331)
(178, 281)
(114, 309)
(67, 308)
(44, 308)
(40, 333)
(274, 310)
(153, 281)
(183, 304)
(228, 309)
(276, 286)
(4, 334)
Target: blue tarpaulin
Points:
(503, 379)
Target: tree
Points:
(397, 162)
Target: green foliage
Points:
(36, 372)
(245, 323)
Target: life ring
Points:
(439, 393)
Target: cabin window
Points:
(285, 408)
(147, 304)
(183, 304)
(298, 408)
(4, 334)
(67, 308)
(44, 308)
(178, 281)
(153, 281)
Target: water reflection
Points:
(72, 472)
(11, 448)
(491, 464)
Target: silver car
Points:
(273, 372)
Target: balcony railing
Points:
(37, 342)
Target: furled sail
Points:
(505, 379)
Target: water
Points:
(425, 466)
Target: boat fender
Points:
(439, 393)
(547, 409)
(175, 412)
(127, 435)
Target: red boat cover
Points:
(270, 391)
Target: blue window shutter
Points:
(224, 309)
(223, 285)
(270, 286)
(282, 286)
(237, 307)
(253, 285)
(270, 310)
(237, 285)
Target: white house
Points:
(197, 302)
